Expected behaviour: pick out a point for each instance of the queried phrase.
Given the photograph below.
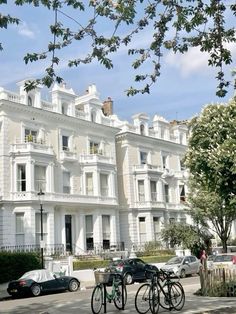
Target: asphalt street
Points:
(79, 302)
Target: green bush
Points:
(79, 265)
(14, 265)
(157, 259)
(159, 252)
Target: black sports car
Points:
(40, 281)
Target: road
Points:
(77, 302)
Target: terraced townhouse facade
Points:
(106, 183)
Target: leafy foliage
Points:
(211, 159)
(172, 24)
(177, 234)
(14, 265)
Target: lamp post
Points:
(40, 194)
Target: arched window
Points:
(64, 109)
(30, 101)
(93, 116)
(142, 129)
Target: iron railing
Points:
(49, 249)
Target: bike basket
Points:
(101, 277)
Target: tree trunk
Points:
(224, 245)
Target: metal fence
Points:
(49, 249)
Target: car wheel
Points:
(128, 279)
(36, 290)
(182, 273)
(73, 285)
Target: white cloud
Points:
(24, 30)
(193, 61)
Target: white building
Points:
(105, 181)
(151, 177)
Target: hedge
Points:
(14, 265)
(79, 265)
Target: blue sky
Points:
(185, 86)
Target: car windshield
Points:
(117, 263)
(175, 260)
(223, 258)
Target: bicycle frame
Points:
(111, 296)
(166, 278)
(117, 281)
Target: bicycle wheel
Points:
(177, 296)
(172, 296)
(118, 296)
(154, 299)
(97, 299)
(142, 304)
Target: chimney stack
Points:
(107, 107)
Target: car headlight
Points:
(175, 270)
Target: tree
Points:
(211, 157)
(177, 234)
(175, 25)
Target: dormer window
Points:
(64, 109)
(142, 129)
(93, 116)
(30, 101)
(162, 133)
(182, 193)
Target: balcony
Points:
(150, 204)
(28, 146)
(95, 159)
(5, 94)
(176, 206)
(64, 198)
(67, 155)
(143, 168)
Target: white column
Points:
(149, 227)
(30, 175)
(147, 189)
(50, 225)
(50, 178)
(97, 229)
(112, 184)
(29, 226)
(81, 240)
(96, 182)
(63, 231)
(8, 225)
(113, 232)
(13, 175)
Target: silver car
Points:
(183, 265)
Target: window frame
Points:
(21, 183)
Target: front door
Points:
(68, 233)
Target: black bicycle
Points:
(160, 291)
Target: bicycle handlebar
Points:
(157, 272)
